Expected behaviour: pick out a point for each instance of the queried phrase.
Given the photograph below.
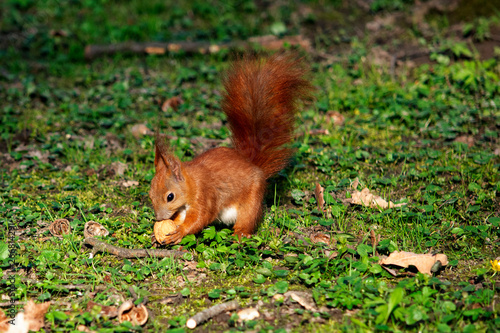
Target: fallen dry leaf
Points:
(320, 237)
(83, 328)
(248, 314)
(365, 198)
(304, 298)
(374, 238)
(173, 103)
(467, 139)
(336, 118)
(140, 130)
(4, 321)
(93, 229)
(130, 183)
(32, 319)
(318, 131)
(319, 194)
(60, 227)
(423, 262)
(35, 314)
(355, 184)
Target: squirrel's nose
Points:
(162, 214)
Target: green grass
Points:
(65, 122)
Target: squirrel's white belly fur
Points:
(228, 215)
(182, 213)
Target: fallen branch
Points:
(9, 304)
(267, 42)
(100, 246)
(211, 312)
(63, 286)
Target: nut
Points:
(163, 228)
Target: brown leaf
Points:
(466, 139)
(83, 328)
(106, 310)
(319, 194)
(365, 198)
(4, 321)
(303, 298)
(173, 103)
(355, 184)
(320, 237)
(318, 131)
(374, 238)
(93, 229)
(60, 227)
(333, 255)
(34, 314)
(130, 183)
(140, 130)
(336, 118)
(423, 262)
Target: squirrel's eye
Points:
(170, 197)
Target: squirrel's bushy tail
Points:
(260, 104)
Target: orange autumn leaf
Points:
(368, 199)
(423, 262)
(319, 194)
(173, 103)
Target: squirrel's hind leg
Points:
(250, 210)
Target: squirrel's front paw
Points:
(166, 232)
(174, 237)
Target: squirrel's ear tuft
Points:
(165, 159)
(175, 167)
(161, 151)
(158, 158)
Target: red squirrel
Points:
(228, 184)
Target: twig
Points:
(169, 299)
(100, 246)
(133, 293)
(390, 270)
(268, 42)
(62, 286)
(8, 304)
(211, 312)
(135, 297)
